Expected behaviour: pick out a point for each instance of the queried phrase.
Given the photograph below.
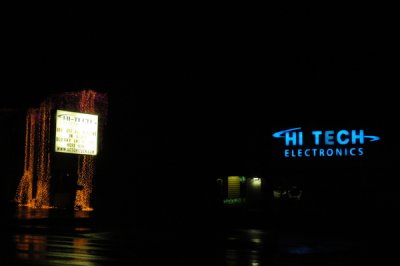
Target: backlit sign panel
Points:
(76, 133)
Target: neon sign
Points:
(320, 143)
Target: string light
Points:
(34, 187)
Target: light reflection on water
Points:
(250, 247)
(50, 237)
(30, 247)
(31, 213)
(66, 249)
(27, 213)
(246, 247)
(54, 237)
(57, 237)
(58, 250)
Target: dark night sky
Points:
(198, 89)
(322, 56)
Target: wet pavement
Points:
(259, 247)
(57, 237)
(50, 237)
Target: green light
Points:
(234, 201)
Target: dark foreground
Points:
(56, 237)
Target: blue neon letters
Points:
(324, 143)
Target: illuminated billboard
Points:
(76, 133)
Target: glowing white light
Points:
(256, 181)
(76, 133)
